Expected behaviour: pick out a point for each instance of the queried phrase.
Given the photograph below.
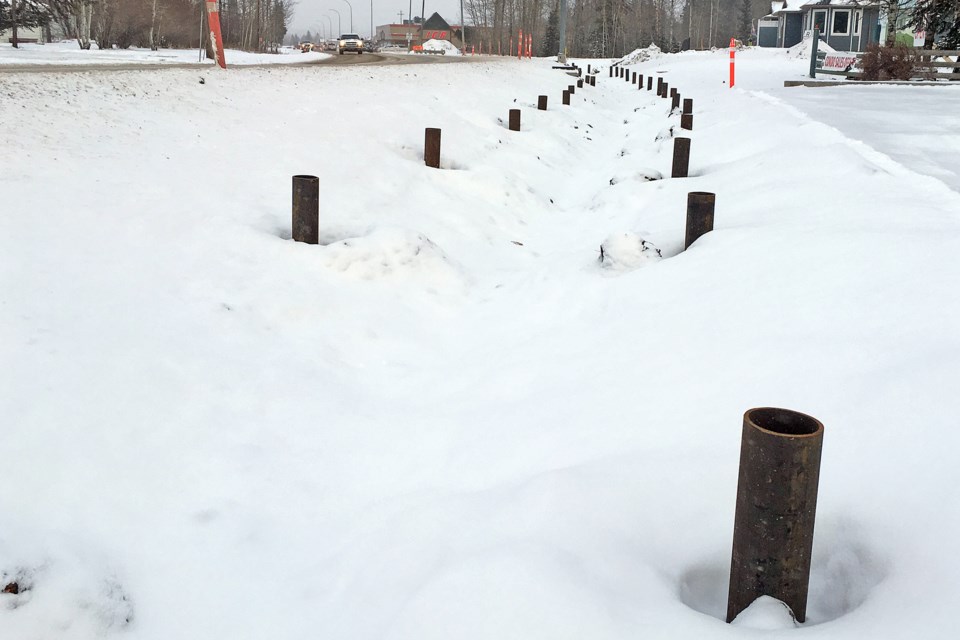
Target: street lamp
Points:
(351, 15)
(330, 22)
(339, 26)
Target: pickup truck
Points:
(350, 42)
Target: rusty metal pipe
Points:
(776, 506)
(686, 121)
(688, 105)
(681, 158)
(514, 119)
(700, 205)
(566, 97)
(431, 148)
(306, 209)
(542, 103)
(650, 83)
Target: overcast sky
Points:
(308, 14)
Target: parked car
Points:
(350, 42)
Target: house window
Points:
(841, 22)
(857, 19)
(820, 21)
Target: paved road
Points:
(366, 59)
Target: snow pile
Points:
(766, 614)
(626, 251)
(801, 50)
(397, 255)
(441, 45)
(641, 55)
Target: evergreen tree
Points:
(308, 37)
(746, 21)
(940, 19)
(550, 44)
(29, 15)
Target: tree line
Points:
(251, 25)
(613, 28)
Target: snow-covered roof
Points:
(783, 6)
(839, 3)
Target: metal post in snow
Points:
(700, 205)
(686, 117)
(306, 209)
(514, 119)
(815, 36)
(431, 148)
(681, 158)
(776, 508)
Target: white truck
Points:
(350, 42)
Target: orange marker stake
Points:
(733, 48)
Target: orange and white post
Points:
(733, 49)
(530, 46)
(520, 45)
(216, 39)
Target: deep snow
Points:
(451, 420)
(68, 52)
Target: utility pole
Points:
(463, 30)
(350, 6)
(562, 55)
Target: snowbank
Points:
(441, 45)
(448, 420)
(641, 55)
(68, 52)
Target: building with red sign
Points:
(411, 33)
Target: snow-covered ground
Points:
(69, 53)
(451, 420)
